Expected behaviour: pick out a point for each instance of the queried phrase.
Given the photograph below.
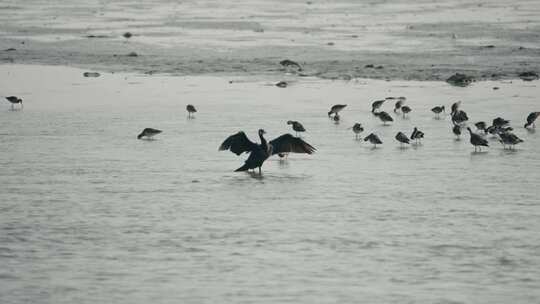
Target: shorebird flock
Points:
(239, 143)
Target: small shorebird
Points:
(438, 110)
(481, 126)
(405, 110)
(417, 135)
(459, 117)
(374, 139)
(357, 129)
(296, 126)
(531, 118)
(376, 105)
(336, 119)
(190, 109)
(335, 109)
(384, 117)
(14, 100)
(398, 105)
(402, 138)
(477, 141)
(148, 133)
(510, 139)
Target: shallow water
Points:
(90, 214)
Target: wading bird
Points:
(239, 143)
(335, 109)
(290, 64)
(191, 110)
(398, 105)
(510, 139)
(374, 139)
(438, 110)
(457, 131)
(376, 105)
(384, 117)
(417, 135)
(405, 110)
(530, 119)
(357, 129)
(14, 100)
(296, 126)
(148, 133)
(402, 138)
(477, 141)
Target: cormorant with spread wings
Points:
(239, 143)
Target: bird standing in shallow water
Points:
(402, 138)
(335, 109)
(148, 133)
(376, 105)
(438, 110)
(239, 143)
(384, 117)
(191, 110)
(477, 141)
(417, 135)
(481, 126)
(455, 107)
(374, 139)
(398, 105)
(297, 127)
(531, 119)
(357, 129)
(14, 100)
(405, 110)
(510, 139)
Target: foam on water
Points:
(90, 214)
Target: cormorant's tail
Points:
(243, 168)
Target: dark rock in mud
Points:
(460, 80)
(289, 63)
(528, 76)
(91, 74)
(10, 50)
(132, 54)
(369, 66)
(97, 36)
(282, 84)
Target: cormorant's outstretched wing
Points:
(288, 143)
(238, 144)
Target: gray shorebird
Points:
(14, 100)
(373, 139)
(296, 126)
(376, 105)
(477, 141)
(335, 109)
(384, 117)
(510, 139)
(531, 118)
(405, 110)
(417, 135)
(357, 129)
(191, 110)
(402, 138)
(398, 105)
(459, 117)
(148, 133)
(438, 110)
(481, 126)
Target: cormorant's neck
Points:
(263, 141)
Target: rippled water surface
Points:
(90, 214)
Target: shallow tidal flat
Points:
(89, 214)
